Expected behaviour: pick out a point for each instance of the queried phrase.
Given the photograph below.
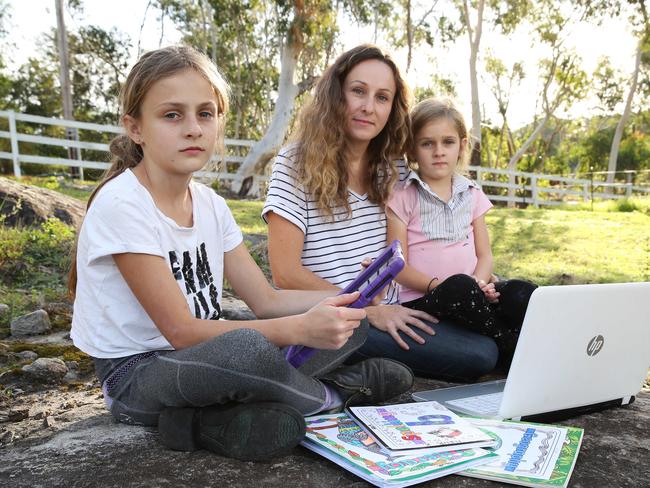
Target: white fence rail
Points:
(499, 184)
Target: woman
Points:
(325, 210)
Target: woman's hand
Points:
(396, 318)
(330, 324)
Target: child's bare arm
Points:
(409, 277)
(483, 270)
(328, 325)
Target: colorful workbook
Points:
(419, 428)
(338, 438)
(529, 454)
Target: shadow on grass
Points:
(527, 237)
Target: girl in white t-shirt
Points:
(439, 217)
(150, 260)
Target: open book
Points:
(419, 428)
(529, 454)
(338, 438)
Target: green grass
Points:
(640, 204)
(562, 247)
(548, 246)
(247, 214)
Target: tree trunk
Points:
(618, 134)
(409, 36)
(512, 164)
(267, 147)
(66, 87)
(474, 43)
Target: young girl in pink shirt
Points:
(438, 215)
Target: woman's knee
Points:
(485, 355)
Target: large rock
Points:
(34, 323)
(31, 206)
(88, 448)
(50, 370)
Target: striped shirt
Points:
(445, 221)
(333, 248)
(439, 235)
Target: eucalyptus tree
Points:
(501, 82)
(562, 77)
(470, 18)
(636, 12)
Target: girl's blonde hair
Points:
(430, 110)
(150, 68)
(321, 135)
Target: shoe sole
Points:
(249, 432)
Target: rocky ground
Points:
(55, 431)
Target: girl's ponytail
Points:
(125, 154)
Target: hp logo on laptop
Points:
(595, 345)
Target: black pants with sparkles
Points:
(461, 300)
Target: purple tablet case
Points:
(370, 282)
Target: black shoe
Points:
(246, 431)
(371, 381)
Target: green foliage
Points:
(98, 62)
(36, 258)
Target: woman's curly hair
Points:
(321, 138)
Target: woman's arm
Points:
(327, 325)
(285, 249)
(409, 276)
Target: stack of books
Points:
(401, 445)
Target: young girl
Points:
(325, 210)
(439, 217)
(152, 253)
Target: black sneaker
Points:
(246, 431)
(371, 381)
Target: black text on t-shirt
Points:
(198, 282)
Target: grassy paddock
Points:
(548, 246)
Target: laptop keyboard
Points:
(481, 404)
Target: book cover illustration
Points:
(341, 440)
(529, 454)
(419, 426)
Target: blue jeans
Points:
(453, 353)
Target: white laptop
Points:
(581, 348)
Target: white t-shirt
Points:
(333, 250)
(108, 320)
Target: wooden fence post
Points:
(628, 187)
(15, 155)
(533, 189)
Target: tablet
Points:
(369, 283)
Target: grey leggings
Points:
(238, 366)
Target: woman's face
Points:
(369, 90)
